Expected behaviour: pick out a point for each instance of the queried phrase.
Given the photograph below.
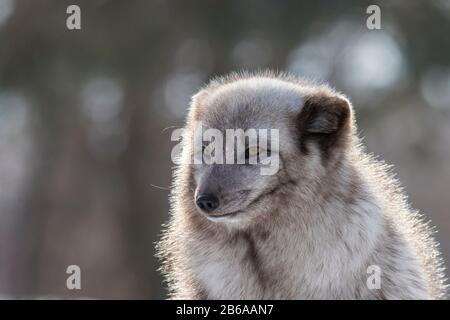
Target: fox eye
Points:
(252, 152)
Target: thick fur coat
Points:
(310, 231)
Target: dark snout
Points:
(207, 202)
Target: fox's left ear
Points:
(326, 119)
(325, 114)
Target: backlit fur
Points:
(311, 230)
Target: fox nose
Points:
(207, 202)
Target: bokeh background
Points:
(86, 117)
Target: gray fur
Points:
(311, 230)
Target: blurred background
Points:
(84, 146)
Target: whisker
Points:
(159, 187)
(170, 127)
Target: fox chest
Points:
(251, 270)
(245, 269)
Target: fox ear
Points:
(325, 118)
(324, 114)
